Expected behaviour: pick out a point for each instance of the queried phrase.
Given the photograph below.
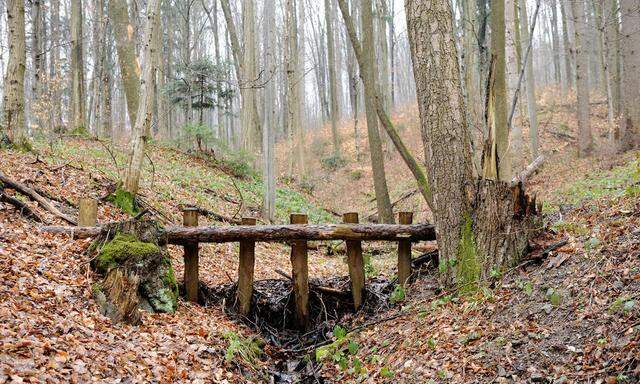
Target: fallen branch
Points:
(44, 203)
(213, 215)
(547, 251)
(425, 258)
(402, 197)
(563, 135)
(24, 209)
(317, 287)
(528, 171)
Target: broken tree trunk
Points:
(278, 233)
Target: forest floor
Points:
(570, 316)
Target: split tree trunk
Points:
(480, 225)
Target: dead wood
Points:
(44, 203)
(214, 215)
(22, 207)
(317, 287)
(528, 171)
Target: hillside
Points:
(568, 315)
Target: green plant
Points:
(554, 296)
(369, 269)
(356, 174)
(333, 162)
(398, 294)
(248, 349)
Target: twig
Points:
(321, 288)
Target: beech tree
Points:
(142, 129)
(630, 132)
(13, 101)
(77, 67)
(476, 228)
(585, 139)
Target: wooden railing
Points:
(297, 233)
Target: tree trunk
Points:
(270, 118)
(497, 159)
(333, 93)
(77, 117)
(585, 140)
(142, 128)
(568, 52)
(372, 92)
(375, 145)
(476, 228)
(530, 80)
(555, 38)
(248, 116)
(630, 11)
(126, 49)
(14, 123)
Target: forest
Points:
(330, 191)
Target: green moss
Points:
(120, 249)
(170, 276)
(468, 267)
(124, 200)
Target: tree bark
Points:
(126, 50)
(77, 117)
(482, 225)
(270, 119)
(333, 93)
(142, 129)
(531, 83)
(630, 135)
(375, 145)
(497, 159)
(585, 139)
(14, 121)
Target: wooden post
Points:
(355, 262)
(245, 271)
(190, 219)
(88, 212)
(404, 251)
(300, 274)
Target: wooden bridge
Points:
(297, 233)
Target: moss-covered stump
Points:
(137, 272)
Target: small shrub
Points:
(248, 349)
(356, 174)
(398, 294)
(307, 185)
(333, 162)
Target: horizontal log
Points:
(278, 233)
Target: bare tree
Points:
(14, 121)
(142, 128)
(630, 132)
(77, 117)
(585, 139)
